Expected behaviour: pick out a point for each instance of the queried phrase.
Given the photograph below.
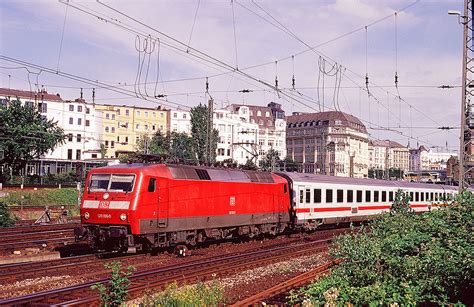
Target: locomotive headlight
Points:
(87, 215)
(123, 217)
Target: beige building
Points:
(123, 125)
(331, 143)
(386, 154)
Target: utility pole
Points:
(466, 161)
(210, 115)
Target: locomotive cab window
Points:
(329, 196)
(111, 182)
(317, 195)
(152, 185)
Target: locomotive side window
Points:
(367, 196)
(376, 196)
(152, 185)
(350, 196)
(359, 196)
(390, 196)
(340, 196)
(317, 195)
(308, 196)
(384, 196)
(329, 196)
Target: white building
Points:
(237, 139)
(79, 119)
(386, 154)
(179, 121)
(426, 159)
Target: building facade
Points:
(179, 121)
(386, 154)
(423, 158)
(122, 126)
(331, 143)
(271, 124)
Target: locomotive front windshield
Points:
(111, 183)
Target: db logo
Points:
(104, 204)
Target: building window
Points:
(113, 116)
(69, 154)
(112, 144)
(79, 108)
(71, 107)
(184, 115)
(112, 129)
(79, 121)
(267, 114)
(107, 116)
(106, 144)
(146, 114)
(138, 113)
(69, 137)
(88, 123)
(29, 104)
(127, 112)
(78, 154)
(42, 107)
(94, 156)
(137, 126)
(107, 129)
(71, 120)
(153, 127)
(162, 114)
(154, 114)
(126, 140)
(118, 139)
(78, 139)
(118, 111)
(146, 127)
(175, 115)
(259, 113)
(88, 111)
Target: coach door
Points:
(163, 204)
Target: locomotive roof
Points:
(305, 177)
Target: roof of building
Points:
(331, 116)
(386, 143)
(42, 95)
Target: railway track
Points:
(276, 294)
(186, 272)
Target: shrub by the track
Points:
(403, 258)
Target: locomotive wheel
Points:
(182, 251)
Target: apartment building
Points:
(332, 143)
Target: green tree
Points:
(6, 219)
(25, 135)
(103, 151)
(289, 165)
(114, 292)
(270, 161)
(395, 173)
(205, 153)
(181, 147)
(249, 165)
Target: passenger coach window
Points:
(359, 196)
(411, 196)
(367, 196)
(376, 196)
(422, 195)
(432, 196)
(301, 196)
(384, 196)
(152, 185)
(329, 196)
(317, 195)
(390, 196)
(308, 196)
(340, 196)
(350, 196)
(417, 196)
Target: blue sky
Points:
(429, 44)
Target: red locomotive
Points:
(134, 207)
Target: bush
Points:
(403, 258)
(114, 292)
(50, 197)
(201, 294)
(6, 219)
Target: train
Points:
(141, 207)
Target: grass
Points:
(50, 197)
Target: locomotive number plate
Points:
(104, 204)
